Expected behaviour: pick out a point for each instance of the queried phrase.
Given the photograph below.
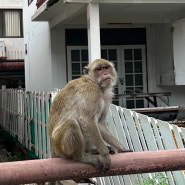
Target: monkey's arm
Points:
(115, 145)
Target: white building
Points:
(11, 29)
(11, 43)
(145, 40)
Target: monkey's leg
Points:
(94, 141)
(69, 142)
(67, 139)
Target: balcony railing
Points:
(12, 55)
(39, 3)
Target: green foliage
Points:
(158, 179)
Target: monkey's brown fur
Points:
(77, 118)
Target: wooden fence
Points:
(24, 115)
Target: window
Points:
(134, 76)
(79, 59)
(11, 23)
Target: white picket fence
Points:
(24, 115)
(13, 54)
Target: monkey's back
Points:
(80, 96)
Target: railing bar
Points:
(60, 169)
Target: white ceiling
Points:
(114, 13)
(142, 12)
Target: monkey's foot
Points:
(89, 181)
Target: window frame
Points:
(2, 23)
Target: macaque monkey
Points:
(77, 121)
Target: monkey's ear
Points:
(85, 70)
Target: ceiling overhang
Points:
(111, 11)
(123, 1)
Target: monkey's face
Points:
(102, 72)
(104, 75)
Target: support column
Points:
(93, 25)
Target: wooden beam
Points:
(45, 170)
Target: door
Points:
(129, 62)
(133, 75)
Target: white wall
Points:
(37, 60)
(160, 62)
(43, 72)
(59, 70)
(179, 51)
(11, 3)
(164, 54)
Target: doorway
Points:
(130, 63)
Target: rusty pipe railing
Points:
(45, 170)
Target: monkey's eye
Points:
(101, 68)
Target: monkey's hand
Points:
(105, 163)
(112, 150)
(125, 150)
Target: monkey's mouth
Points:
(107, 79)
